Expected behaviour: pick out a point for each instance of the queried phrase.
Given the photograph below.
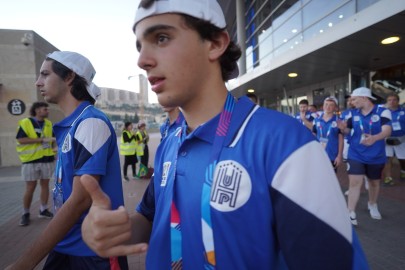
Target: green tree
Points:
(126, 118)
(136, 118)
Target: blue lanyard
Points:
(398, 114)
(370, 125)
(175, 218)
(166, 127)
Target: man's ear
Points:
(218, 45)
(70, 77)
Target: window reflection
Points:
(274, 27)
(330, 21)
(316, 9)
(288, 30)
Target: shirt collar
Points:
(68, 121)
(206, 131)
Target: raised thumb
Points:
(99, 198)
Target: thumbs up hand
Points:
(107, 231)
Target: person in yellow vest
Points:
(142, 150)
(35, 149)
(128, 149)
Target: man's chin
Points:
(49, 100)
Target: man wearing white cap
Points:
(216, 201)
(369, 126)
(87, 148)
(326, 130)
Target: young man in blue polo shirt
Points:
(305, 116)
(369, 126)
(87, 149)
(216, 201)
(346, 138)
(395, 144)
(326, 130)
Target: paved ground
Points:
(383, 241)
(13, 238)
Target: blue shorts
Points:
(372, 171)
(60, 261)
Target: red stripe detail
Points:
(114, 264)
(174, 216)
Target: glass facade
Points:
(274, 27)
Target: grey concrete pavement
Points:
(383, 240)
(14, 239)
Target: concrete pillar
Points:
(241, 34)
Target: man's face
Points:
(359, 102)
(175, 58)
(392, 102)
(50, 85)
(312, 108)
(42, 112)
(303, 107)
(349, 103)
(329, 106)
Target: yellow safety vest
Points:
(140, 144)
(127, 148)
(34, 151)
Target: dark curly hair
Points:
(36, 105)
(127, 124)
(146, 3)
(208, 31)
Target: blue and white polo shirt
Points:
(279, 207)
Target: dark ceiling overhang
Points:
(361, 51)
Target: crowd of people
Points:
(134, 148)
(366, 136)
(211, 181)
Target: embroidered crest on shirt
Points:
(231, 186)
(375, 118)
(66, 146)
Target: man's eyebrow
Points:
(155, 28)
(149, 31)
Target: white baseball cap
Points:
(79, 65)
(141, 123)
(362, 92)
(332, 98)
(94, 91)
(208, 10)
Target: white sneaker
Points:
(353, 218)
(347, 193)
(374, 213)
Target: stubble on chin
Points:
(49, 100)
